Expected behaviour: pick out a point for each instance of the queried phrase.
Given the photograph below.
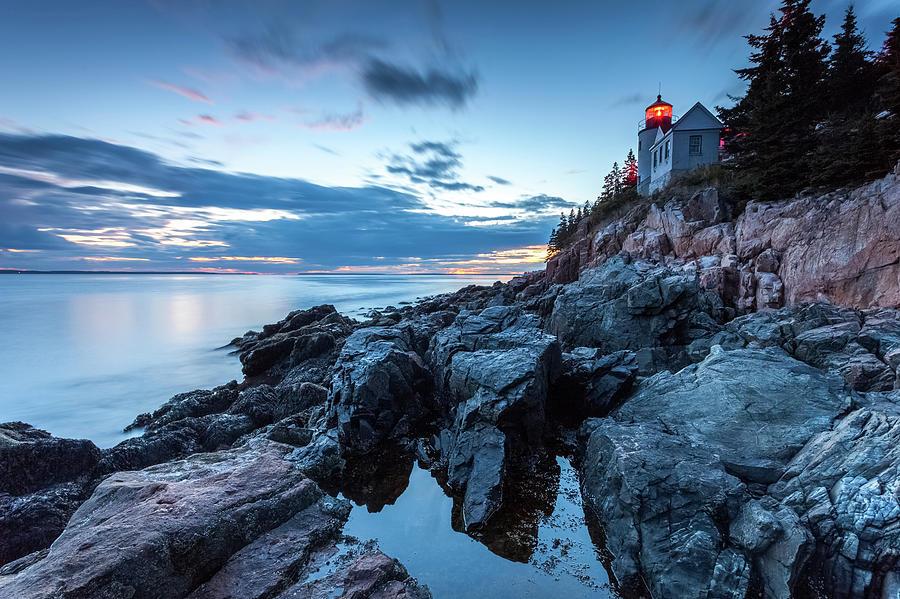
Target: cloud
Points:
(327, 150)
(432, 163)
(634, 99)
(158, 211)
(249, 117)
(713, 22)
(12, 125)
(204, 161)
(499, 180)
(403, 85)
(208, 120)
(533, 204)
(338, 122)
(187, 92)
(279, 50)
(275, 259)
(277, 47)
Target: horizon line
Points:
(26, 271)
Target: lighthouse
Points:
(657, 116)
(669, 145)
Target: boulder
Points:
(163, 531)
(625, 305)
(31, 459)
(493, 370)
(31, 522)
(43, 480)
(753, 408)
(659, 499)
(673, 474)
(380, 387)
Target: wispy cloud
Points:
(11, 125)
(499, 180)
(327, 150)
(405, 85)
(187, 92)
(208, 120)
(279, 50)
(275, 259)
(113, 259)
(432, 163)
(248, 117)
(338, 122)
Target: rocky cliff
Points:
(840, 248)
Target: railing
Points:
(642, 124)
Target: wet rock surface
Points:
(725, 448)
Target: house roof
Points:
(698, 117)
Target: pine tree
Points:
(772, 128)
(851, 76)
(887, 65)
(562, 231)
(888, 69)
(553, 244)
(630, 170)
(586, 211)
(847, 149)
(609, 187)
(616, 176)
(572, 225)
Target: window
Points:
(654, 159)
(639, 145)
(667, 149)
(696, 144)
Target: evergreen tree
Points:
(616, 177)
(887, 65)
(578, 215)
(888, 69)
(586, 211)
(572, 225)
(553, 244)
(847, 149)
(609, 187)
(630, 171)
(851, 76)
(771, 130)
(561, 230)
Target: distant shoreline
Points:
(291, 274)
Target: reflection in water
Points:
(528, 499)
(538, 547)
(376, 479)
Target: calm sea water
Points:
(82, 355)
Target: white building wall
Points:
(661, 166)
(680, 158)
(684, 160)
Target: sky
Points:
(337, 135)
